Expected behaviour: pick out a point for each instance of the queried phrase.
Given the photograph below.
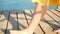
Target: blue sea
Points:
(19, 5)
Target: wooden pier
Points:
(19, 19)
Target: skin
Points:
(38, 15)
(58, 30)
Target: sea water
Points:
(18, 5)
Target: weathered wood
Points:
(12, 21)
(54, 11)
(51, 22)
(28, 15)
(16, 20)
(46, 27)
(1, 32)
(53, 16)
(22, 20)
(12, 24)
(3, 22)
(58, 10)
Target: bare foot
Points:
(58, 30)
(20, 32)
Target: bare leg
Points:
(34, 22)
(58, 30)
(38, 15)
(44, 10)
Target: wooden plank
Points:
(46, 27)
(22, 20)
(12, 21)
(54, 16)
(1, 32)
(12, 24)
(32, 11)
(3, 22)
(51, 22)
(58, 10)
(55, 12)
(29, 17)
